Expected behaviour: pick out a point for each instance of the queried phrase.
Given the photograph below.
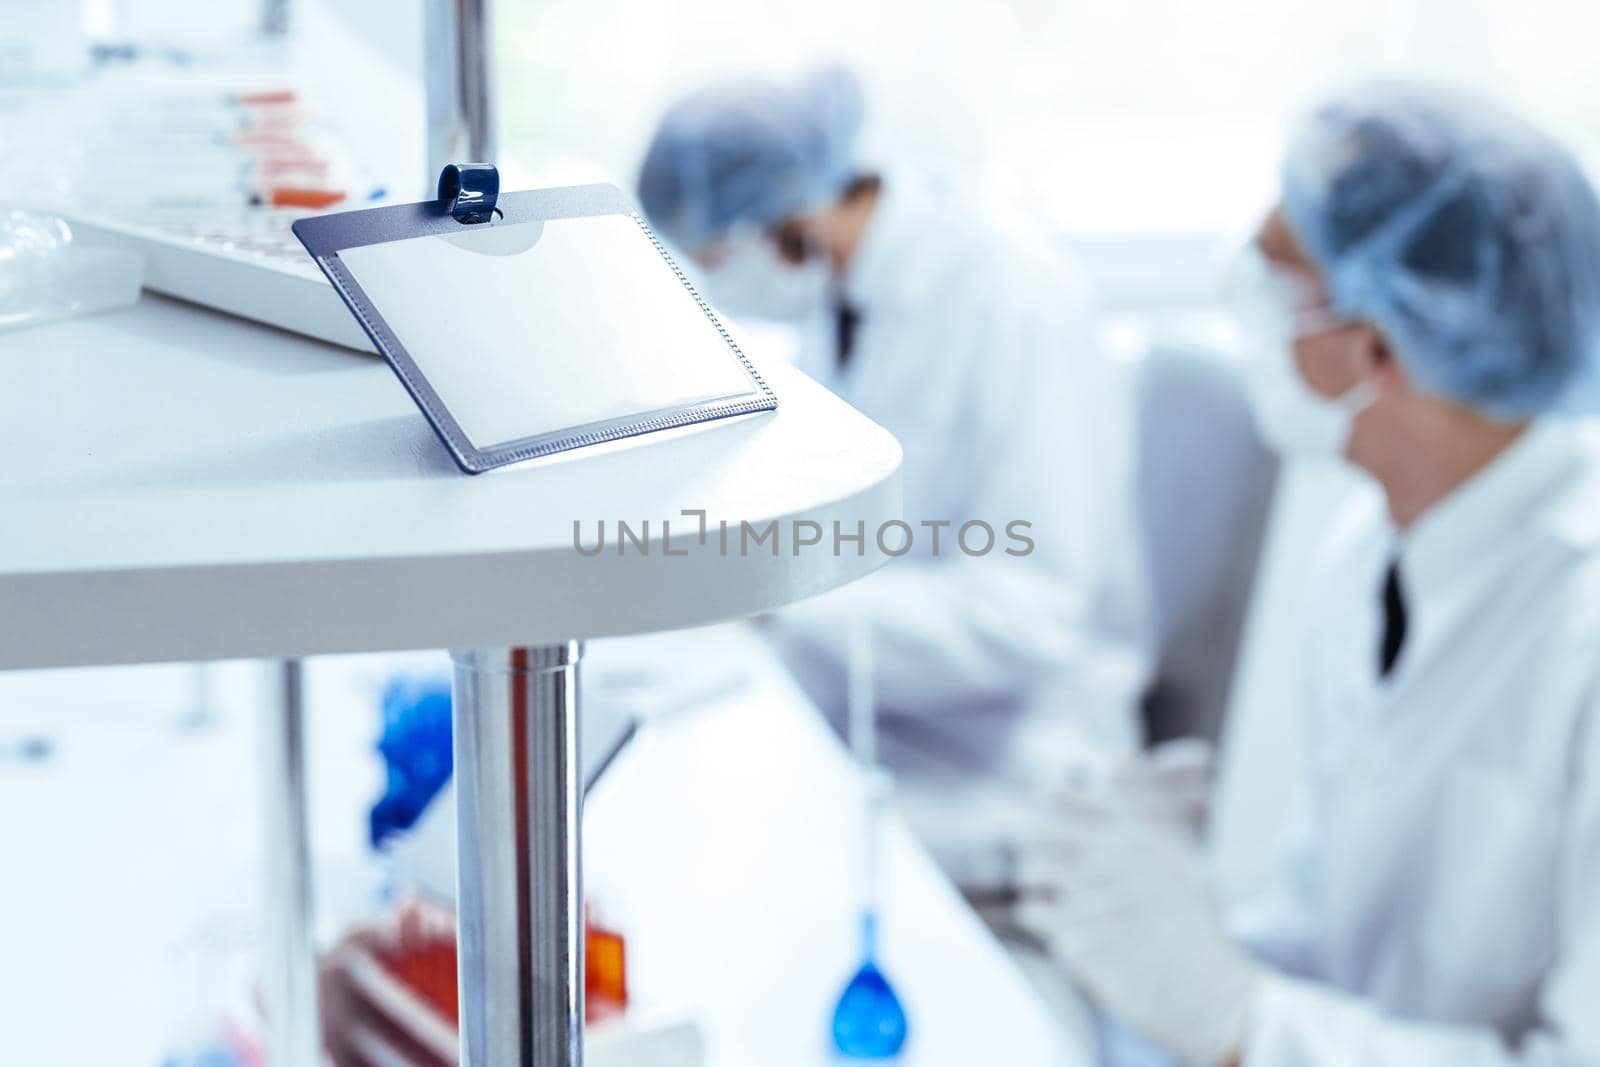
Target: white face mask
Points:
(750, 279)
(1275, 310)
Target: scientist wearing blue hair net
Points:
(964, 331)
(1427, 298)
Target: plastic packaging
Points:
(45, 274)
(416, 750)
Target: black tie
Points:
(1394, 621)
(846, 319)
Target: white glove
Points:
(1171, 783)
(1120, 896)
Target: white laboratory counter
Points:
(723, 844)
(182, 485)
(727, 842)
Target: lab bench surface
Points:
(182, 485)
(728, 842)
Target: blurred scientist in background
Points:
(965, 333)
(1428, 298)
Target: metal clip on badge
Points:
(469, 191)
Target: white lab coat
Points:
(1440, 893)
(975, 350)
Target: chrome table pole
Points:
(288, 962)
(519, 896)
(275, 17)
(458, 75)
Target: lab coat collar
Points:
(884, 268)
(1575, 517)
(1524, 484)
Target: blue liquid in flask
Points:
(869, 1023)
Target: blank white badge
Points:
(535, 328)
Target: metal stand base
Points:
(519, 896)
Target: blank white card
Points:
(535, 328)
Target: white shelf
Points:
(183, 485)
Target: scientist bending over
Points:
(966, 334)
(1431, 279)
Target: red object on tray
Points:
(396, 993)
(423, 957)
(605, 976)
(302, 196)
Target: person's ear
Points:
(804, 237)
(791, 240)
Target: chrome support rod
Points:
(459, 79)
(288, 961)
(519, 896)
(275, 17)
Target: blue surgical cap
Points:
(750, 151)
(1468, 237)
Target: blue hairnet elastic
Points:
(1468, 237)
(749, 151)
